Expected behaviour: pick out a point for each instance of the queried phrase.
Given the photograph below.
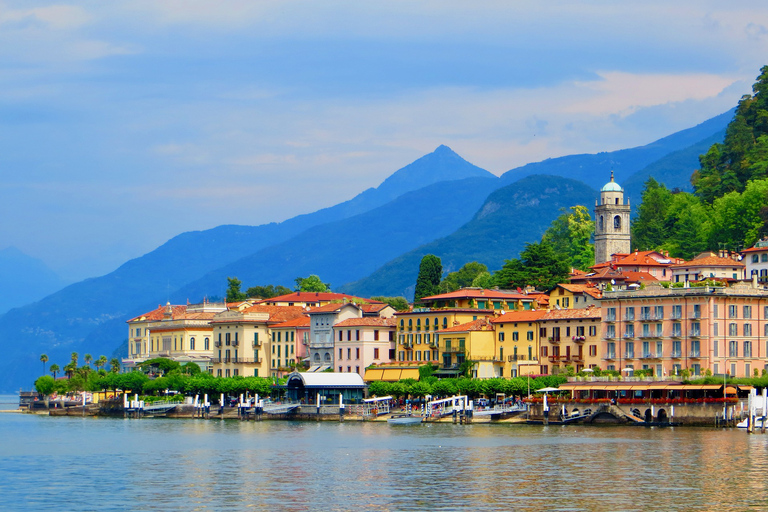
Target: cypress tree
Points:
(430, 273)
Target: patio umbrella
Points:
(547, 390)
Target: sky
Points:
(123, 124)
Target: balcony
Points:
(676, 334)
(676, 316)
(629, 355)
(258, 344)
(676, 354)
(453, 350)
(579, 339)
(610, 318)
(695, 333)
(520, 357)
(216, 343)
(236, 360)
(694, 354)
(609, 357)
(554, 339)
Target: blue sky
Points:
(123, 124)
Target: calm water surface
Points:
(159, 464)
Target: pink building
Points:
(361, 342)
(293, 339)
(666, 330)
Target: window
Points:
(349, 353)
(676, 349)
(207, 344)
(376, 335)
(747, 329)
(714, 311)
(733, 329)
(341, 353)
(715, 329)
(617, 221)
(544, 352)
(747, 349)
(715, 348)
(695, 329)
(696, 311)
(755, 258)
(629, 348)
(610, 350)
(733, 311)
(375, 353)
(593, 350)
(516, 336)
(733, 349)
(677, 330)
(747, 311)
(529, 336)
(764, 257)
(592, 330)
(695, 348)
(630, 313)
(629, 331)
(659, 312)
(357, 353)
(610, 315)
(645, 313)
(610, 331)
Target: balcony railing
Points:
(629, 355)
(677, 334)
(520, 357)
(694, 354)
(579, 339)
(554, 339)
(235, 360)
(695, 333)
(610, 356)
(453, 350)
(216, 343)
(676, 354)
(610, 318)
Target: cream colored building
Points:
(181, 332)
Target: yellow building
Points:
(569, 337)
(568, 296)
(182, 333)
(416, 329)
(243, 340)
(473, 341)
(517, 335)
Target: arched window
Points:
(207, 344)
(327, 357)
(600, 224)
(317, 357)
(617, 222)
(192, 343)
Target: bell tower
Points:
(611, 222)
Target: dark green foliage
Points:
(233, 290)
(45, 385)
(397, 303)
(428, 280)
(538, 266)
(266, 292)
(649, 228)
(743, 155)
(313, 283)
(462, 278)
(160, 365)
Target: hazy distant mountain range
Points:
(369, 245)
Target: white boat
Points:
(404, 419)
(758, 422)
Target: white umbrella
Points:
(590, 370)
(547, 390)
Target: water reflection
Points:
(113, 464)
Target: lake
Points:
(71, 463)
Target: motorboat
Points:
(404, 419)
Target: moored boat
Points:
(404, 419)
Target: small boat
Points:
(404, 419)
(758, 422)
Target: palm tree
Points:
(69, 369)
(54, 369)
(114, 364)
(101, 361)
(87, 358)
(44, 359)
(75, 355)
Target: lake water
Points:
(70, 463)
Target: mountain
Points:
(24, 279)
(673, 170)
(595, 169)
(509, 218)
(87, 314)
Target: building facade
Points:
(362, 342)
(699, 329)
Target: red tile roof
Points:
(159, 313)
(638, 277)
(330, 308)
(645, 258)
(316, 297)
(367, 321)
(302, 321)
(710, 261)
(572, 314)
(581, 288)
(519, 316)
(476, 293)
(481, 324)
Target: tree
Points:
(101, 362)
(266, 292)
(43, 359)
(462, 278)
(87, 358)
(114, 365)
(570, 237)
(649, 228)
(45, 385)
(233, 290)
(428, 281)
(397, 303)
(538, 266)
(311, 284)
(54, 369)
(74, 358)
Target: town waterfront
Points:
(72, 463)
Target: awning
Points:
(391, 374)
(410, 373)
(373, 374)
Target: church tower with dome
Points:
(611, 223)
